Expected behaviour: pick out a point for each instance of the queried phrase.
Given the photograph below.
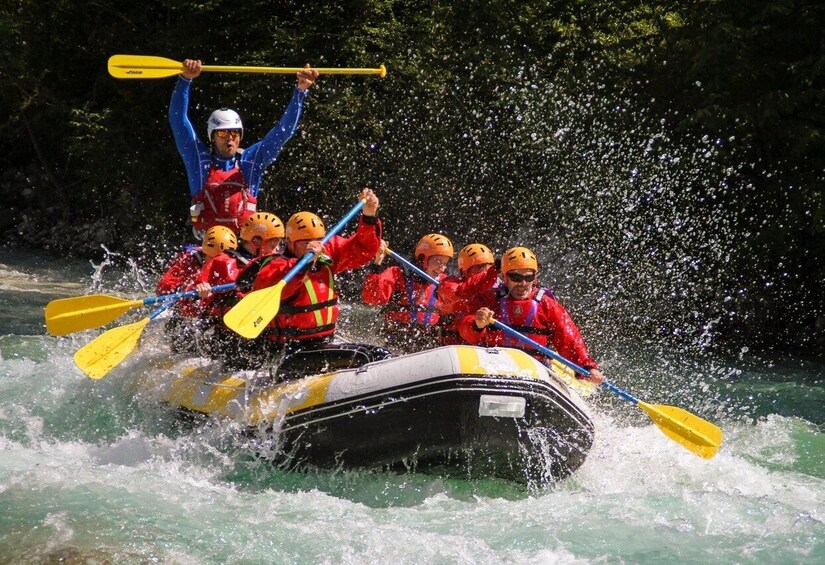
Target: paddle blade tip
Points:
(250, 317)
(98, 357)
(688, 430)
(56, 330)
(250, 328)
(142, 66)
(90, 369)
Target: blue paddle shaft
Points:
(332, 232)
(550, 353)
(620, 392)
(170, 299)
(188, 294)
(412, 266)
(157, 312)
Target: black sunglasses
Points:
(521, 278)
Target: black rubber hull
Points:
(438, 421)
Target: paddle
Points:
(147, 66)
(420, 272)
(692, 432)
(69, 315)
(251, 315)
(107, 350)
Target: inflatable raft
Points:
(457, 411)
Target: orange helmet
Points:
(263, 225)
(518, 258)
(433, 244)
(305, 225)
(474, 254)
(218, 239)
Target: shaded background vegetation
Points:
(664, 158)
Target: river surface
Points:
(91, 472)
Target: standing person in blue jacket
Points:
(224, 180)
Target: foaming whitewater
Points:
(99, 471)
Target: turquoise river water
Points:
(91, 472)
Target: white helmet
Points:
(223, 119)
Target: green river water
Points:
(92, 473)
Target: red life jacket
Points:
(539, 317)
(424, 310)
(222, 269)
(225, 198)
(510, 310)
(453, 308)
(311, 312)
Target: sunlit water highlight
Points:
(96, 472)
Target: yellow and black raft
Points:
(457, 411)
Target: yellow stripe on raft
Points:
(227, 396)
(526, 364)
(288, 398)
(517, 363)
(192, 392)
(508, 362)
(469, 362)
(568, 375)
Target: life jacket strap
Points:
(288, 332)
(290, 309)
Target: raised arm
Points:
(262, 154)
(187, 141)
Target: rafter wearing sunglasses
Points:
(516, 278)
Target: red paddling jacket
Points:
(540, 318)
(395, 289)
(223, 268)
(182, 271)
(412, 321)
(457, 296)
(309, 302)
(181, 275)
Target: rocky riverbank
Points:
(34, 221)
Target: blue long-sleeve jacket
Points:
(253, 161)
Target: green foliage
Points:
(473, 125)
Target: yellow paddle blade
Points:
(148, 66)
(143, 66)
(251, 315)
(698, 435)
(68, 315)
(103, 353)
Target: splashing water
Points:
(649, 232)
(635, 233)
(95, 470)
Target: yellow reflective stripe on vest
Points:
(314, 298)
